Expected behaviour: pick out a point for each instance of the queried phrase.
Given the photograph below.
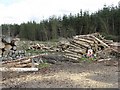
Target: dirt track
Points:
(71, 75)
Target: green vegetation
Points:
(43, 65)
(112, 37)
(36, 51)
(106, 21)
(87, 59)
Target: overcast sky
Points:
(18, 11)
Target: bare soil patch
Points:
(66, 75)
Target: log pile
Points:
(23, 64)
(72, 50)
(31, 61)
(78, 46)
(38, 46)
(8, 46)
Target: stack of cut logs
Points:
(8, 46)
(30, 61)
(78, 45)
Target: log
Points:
(77, 51)
(101, 37)
(24, 62)
(15, 41)
(100, 60)
(18, 69)
(4, 53)
(45, 48)
(84, 40)
(18, 63)
(24, 65)
(96, 48)
(74, 47)
(101, 42)
(77, 45)
(7, 40)
(87, 38)
(2, 45)
(8, 47)
(72, 59)
(108, 41)
(14, 48)
(73, 55)
(25, 58)
(88, 35)
(81, 44)
(72, 52)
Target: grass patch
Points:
(87, 59)
(36, 51)
(43, 65)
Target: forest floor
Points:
(66, 75)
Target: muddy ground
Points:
(66, 75)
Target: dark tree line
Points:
(106, 21)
